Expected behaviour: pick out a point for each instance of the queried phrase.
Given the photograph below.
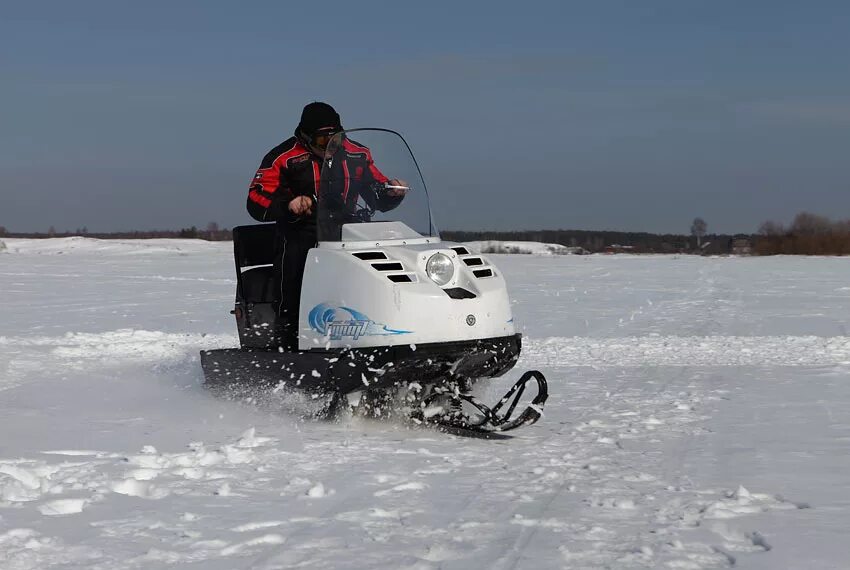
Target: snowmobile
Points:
(386, 305)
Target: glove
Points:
(399, 189)
(301, 205)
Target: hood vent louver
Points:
(388, 266)
(483, 273)
(460, 250)
(400, 278)
(459, 293)
(473, 261)
(370, 255)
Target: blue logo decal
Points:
(338, 322)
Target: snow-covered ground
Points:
(699, 418)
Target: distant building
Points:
(742, 246)
(617, 248)
(573, 251)
(673, 247)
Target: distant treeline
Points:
(808, 234)
(211, 233)
(599, 241)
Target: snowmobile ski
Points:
(499, 418)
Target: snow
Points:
(699, 417)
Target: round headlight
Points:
(440, 269)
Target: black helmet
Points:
(318, 116)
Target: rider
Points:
(285, 190)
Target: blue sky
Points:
(605, 115)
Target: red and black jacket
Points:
(288, 170)
(291, 169)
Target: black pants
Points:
(291, 255)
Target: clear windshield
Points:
(370, 176)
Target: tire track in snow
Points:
(127, 343)
(24, 359)
(660, 402)
(660, 350)
(512, 555)
(625, 509)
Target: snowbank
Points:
(78, 244)
(524, 247)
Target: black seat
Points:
(254, 245)
(254, 248)
(257, 284)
